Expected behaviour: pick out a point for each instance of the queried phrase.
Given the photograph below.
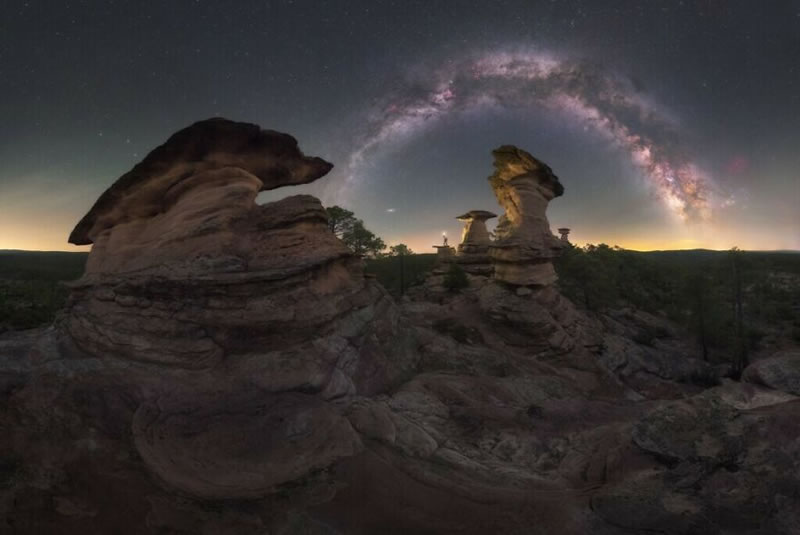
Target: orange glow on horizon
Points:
(43, 238)
(27, 238)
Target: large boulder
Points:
(781, 372)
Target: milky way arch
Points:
(601, 101)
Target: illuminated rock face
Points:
(524, 246)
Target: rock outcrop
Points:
(256, 159)
(473, 251)
(186, 270)
(226, 368)
(780, 372)
(229, 335)
(524, 247)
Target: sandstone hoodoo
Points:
(192, 159)
(185, 263)
(263, 303)
(524, 246)
(473, 251)
(475, 237)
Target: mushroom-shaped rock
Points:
(187, 271)
(475, 238)
(524, 246)
(254, 159)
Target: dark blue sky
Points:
(712, 87)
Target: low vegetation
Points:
(399, 272)
(455, 279)
(728, 300)
(31, 288)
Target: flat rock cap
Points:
(511, 162)
(480, 215)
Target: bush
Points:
(455, 279)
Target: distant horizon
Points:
(87, 249)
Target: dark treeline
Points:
(399, 272)
(728, 300)
(31, 289)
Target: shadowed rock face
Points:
(246, 324)
(189, 270)
(524, 246)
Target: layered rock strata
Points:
(260, 310)
(186, 269)
(524, 247)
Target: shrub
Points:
(455, 279)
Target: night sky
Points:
(672, 124)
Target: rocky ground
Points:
(224, 367)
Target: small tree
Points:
(696, 288)
(340, 220)
(740, 357)
(351, 230)
(401, 249)
(362, 241)
(455, 279)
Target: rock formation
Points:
(780, 371)
(473, 251)
(524, 246)
(444, 254)
(186, 270)
(226, 368)
(475, 237)
(218, 318)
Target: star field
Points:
(672, 124)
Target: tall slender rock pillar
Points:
(524, 246)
